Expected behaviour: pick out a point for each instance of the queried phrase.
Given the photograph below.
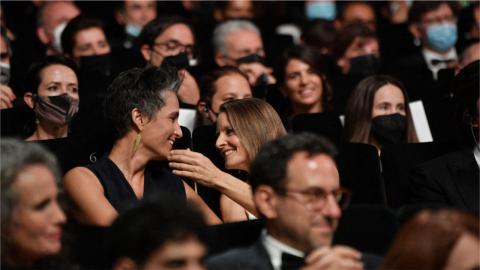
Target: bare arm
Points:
(86, 192)
(186, 163)
(193, 197)
(231, 211)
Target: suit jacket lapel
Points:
(263, 257)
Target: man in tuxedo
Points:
(296, 188)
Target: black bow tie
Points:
(291, 262)
(440, 61)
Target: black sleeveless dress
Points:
(158, 180)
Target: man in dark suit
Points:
(453, 180)
(296, 188)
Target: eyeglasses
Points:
(318, 197)
(174, 46)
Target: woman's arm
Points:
(231, 211)
(90, 205)
(193, 165)
(193, 197)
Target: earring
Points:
(136, 144)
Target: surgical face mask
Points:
(320, 10)
(133, 30)
(58, 110)
(57, 37)
(364, 65)
(389, 129)
(442, 36)
(4, 73)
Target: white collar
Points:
(430, 55)
(275, 249)
(476, 154)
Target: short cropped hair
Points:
(74, 26)
(271, 163)
(231, 26)
(209, 80)
(420, 8)
(16, 155)
(155, 28)
(142, 88)
(255, 122)
(142, 230)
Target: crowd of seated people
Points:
(94, 97)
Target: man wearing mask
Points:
(301, 203)
(6, 94)
(238, 43)
(52, 18)
(133, 15)
(171, 38)
(434, 26)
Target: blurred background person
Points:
(7, 96)
(52, 92)
(32, 218)
(442, 239)
(377, 113)
(356, 12)
(159, 234)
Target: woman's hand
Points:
(186, 163)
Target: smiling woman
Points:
(143, 108)
(31, 216)
(243, 127)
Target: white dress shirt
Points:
(275, 249)
(430, 55)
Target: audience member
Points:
(84, 40)
(133, 15)
(52, 90)
(32, 218)
(243, 126)
(160, 234)
(171, 36)
(452, 180)
(445, 239)
(377, 113)
(296, 189)
(356, 12)
(323, 10)
(52, 18)
(320, 36)
(433, 24)
(239, 43)
(143, 109)
(219, 86)
(304, 81)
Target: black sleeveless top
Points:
(158, 180)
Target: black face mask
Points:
(179, 61)
(389, 129)
(364, 66)
(101, 64)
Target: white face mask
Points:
(57, 34)
(4, 73)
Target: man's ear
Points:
(124, 263)
(138, 118)
(42, 35)
(202, 107)
(218, 15)
(266, 201)
(28, 98)
(146, 52)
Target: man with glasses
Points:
(171, 36)
(296, 188)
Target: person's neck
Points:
(47, 132)
(131, 163)
(279, 235)
(301, 109)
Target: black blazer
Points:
(451, 180)
(255, 257)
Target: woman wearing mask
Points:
(304, 82)
(243, 127)
(52, 92)
(377, 113)
(31, 215)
